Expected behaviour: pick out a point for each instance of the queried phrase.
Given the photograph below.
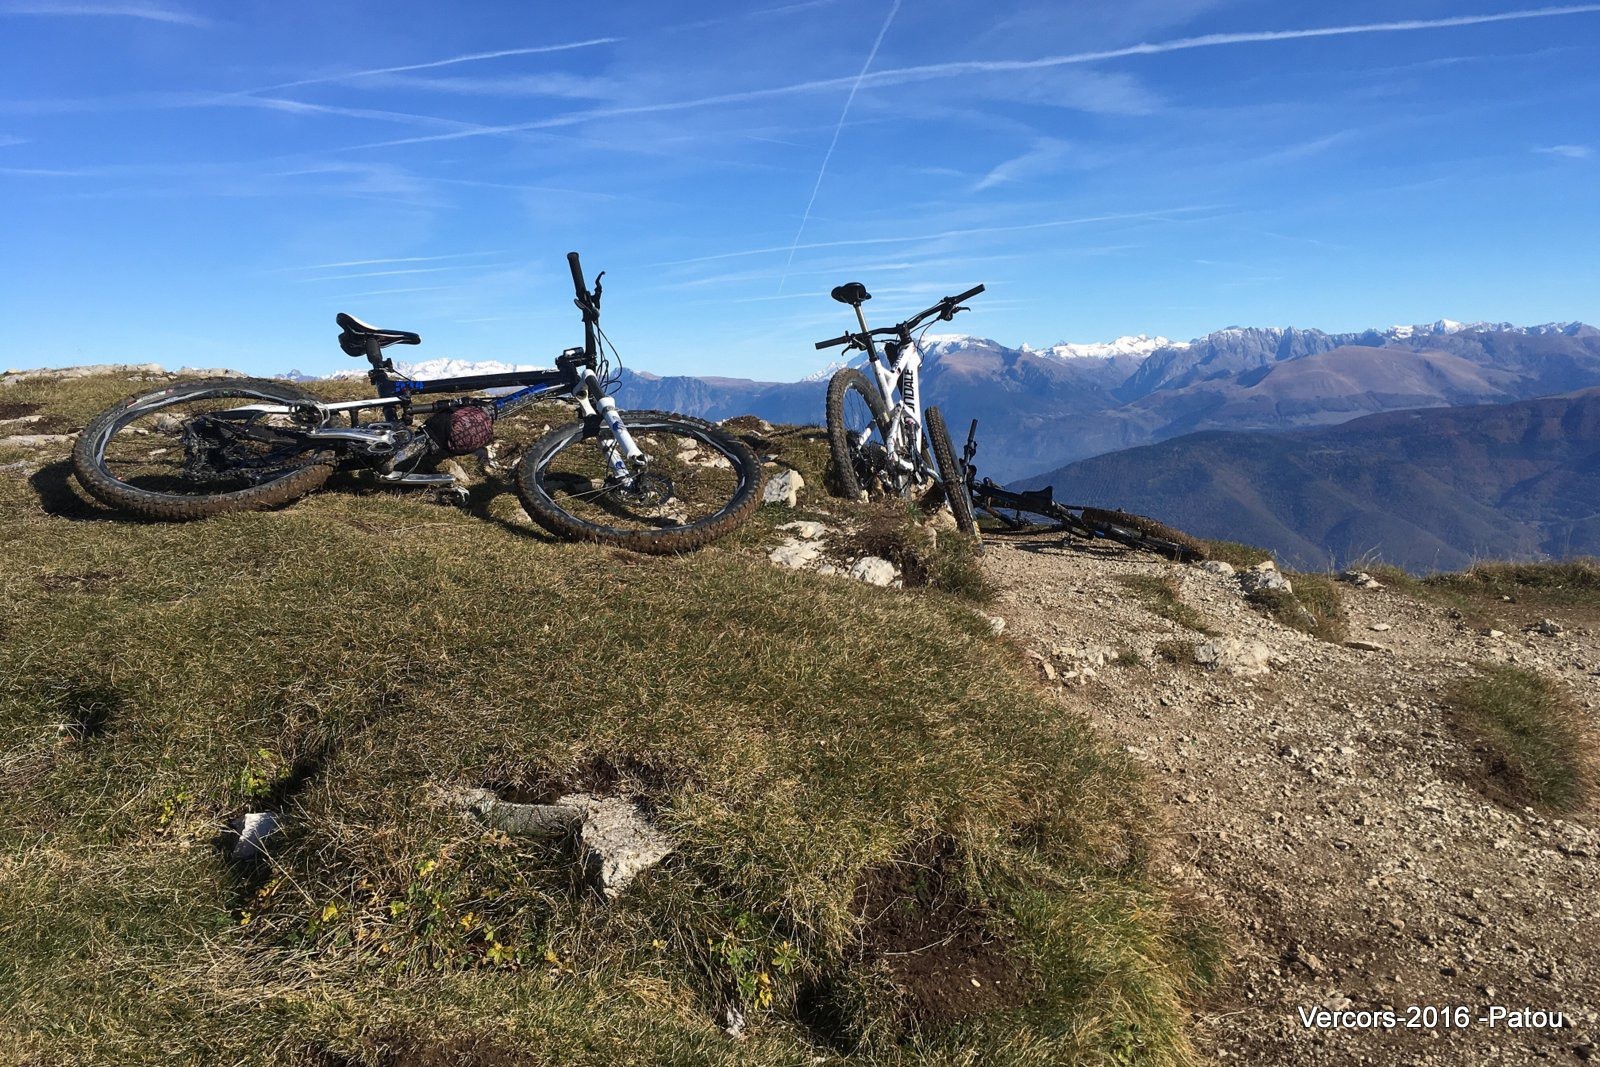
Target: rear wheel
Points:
(196, 449)
(1139, 531)
(951, 474)
(696, 484)
(858, 426)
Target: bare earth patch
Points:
(1327, 814)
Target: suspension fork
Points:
(621, 449)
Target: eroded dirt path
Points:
(1324, 812)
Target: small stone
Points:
(616, 842)
(1217, 566)
(1234, 655)
(808, 531)
(254, 828)
(1380, 627)
(874, 570)
(783, 488)
(795, 554)
(1366, 646)
(1264, 578)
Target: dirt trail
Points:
(1324, 811)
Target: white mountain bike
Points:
(881, 445)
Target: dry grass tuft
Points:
(1536, 747)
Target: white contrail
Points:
(837, 130)
(1213, 40)
(972, 231)
(950, 70)
(471, 57)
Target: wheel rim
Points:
(865, 437)
(203, 446)
(688, 478)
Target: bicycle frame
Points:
(573, 377)
(905, 414)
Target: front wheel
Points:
(950, 472)
(196, 449)
(695, 484)
(858, 428)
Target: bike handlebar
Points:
(577, 276)
(945, 307)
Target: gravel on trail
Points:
(1323, 812)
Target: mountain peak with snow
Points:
(1136, 345)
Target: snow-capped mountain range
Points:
(1133, 346)
(1141, 345)
(1044, 406)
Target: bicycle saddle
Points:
(354, 338)
(851, 293)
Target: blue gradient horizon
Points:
(208, 184)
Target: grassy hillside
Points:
(893, 852)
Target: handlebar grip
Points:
(577, 275)
(834, 342)
(968, 295)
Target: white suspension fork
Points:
(621, 449)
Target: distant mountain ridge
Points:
(1426, 490)
(1040, 408)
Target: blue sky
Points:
(207, 184)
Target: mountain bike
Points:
(881, 444)
(1077, 520)
(650, 481)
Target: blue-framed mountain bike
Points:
(646, 480)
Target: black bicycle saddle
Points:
(852, 293)
(354, 338)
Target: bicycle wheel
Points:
(857, 427)
(1138, 531)
(696, 484)
(196, 449)
(951, 474)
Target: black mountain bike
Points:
(646, 480)
(881, 444)
(1077, 520)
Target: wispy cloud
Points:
(408, 270)
(6, 140)
(971, 231)
(148, 12)
(933, 71)
(301, 107)
(844, 113)
(1569, 151)
(387, 261)
(1042, 158)
(391, 292)
(470, 57)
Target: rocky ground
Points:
(1323, 812)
